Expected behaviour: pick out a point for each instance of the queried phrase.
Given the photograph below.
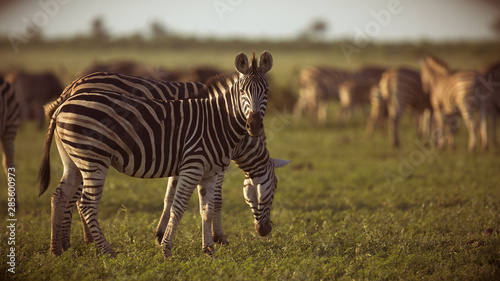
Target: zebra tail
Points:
(51, 107)
(44, 170)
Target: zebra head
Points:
(253, 87)
(431, 67)
(259, 195)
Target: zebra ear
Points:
(278, 163)
(266, 62)
(241, 63)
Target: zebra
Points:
(490, 80)
(254, 151)
(251, 156)
(400, 88)
(9, 122)
(452, 93)
(320, 84)
(192, 139)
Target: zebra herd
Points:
(436, 95)
(189, 132)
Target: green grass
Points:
(335, 216)
(346, 208)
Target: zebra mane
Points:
(224, 79)
(437, 64)
(254, 63)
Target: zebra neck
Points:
(229, 118)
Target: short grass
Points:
(346, 208)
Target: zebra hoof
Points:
(209, 250)
(222, 241)
(159, 236)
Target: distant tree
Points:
(316, 31)
(158, 30)
(496, 26)
(99, 31)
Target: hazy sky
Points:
(381, 20)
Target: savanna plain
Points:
(345, 208)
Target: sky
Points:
(381, 20)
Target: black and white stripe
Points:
(400, 88)
(9, 121)
(320, 84)
(149, 138)
(452, 93)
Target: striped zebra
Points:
(400, 88)
(9, 121)
(490, 80)
(320, 84)
(251, 156)
(254, 151)
(150, 138)
(317, 86)
(451, 93)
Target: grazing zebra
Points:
(317, 86)
(451, 93)
(400, 88)
(490, 80)
(9, 120)
(320, 84)
(254, 150)
(148, 138)
(251, 156)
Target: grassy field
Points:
(346, 208)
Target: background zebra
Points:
(255, 158)
(9, 119)
(179, 133)
(400, 88)
(452, 93)
(320, 84)
(33, 90)
(490, 82)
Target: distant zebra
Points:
(320, 84)
(451, 93)
(317, 86)
(9, 120)
(33, 90)
(256, 156)
(149, 138)
(401, 88)
(490, 80)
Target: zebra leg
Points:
(439, 130)
(62, 209)
(187, 182)
(93, 183)
(468, 117)
(167, 205)
(206, 194)
(322, 112)
(87, 236)
(67, 217)
(217, 232)
(483, 126)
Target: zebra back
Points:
(129, 85)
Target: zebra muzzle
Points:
(263, 229)
(254, 124)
